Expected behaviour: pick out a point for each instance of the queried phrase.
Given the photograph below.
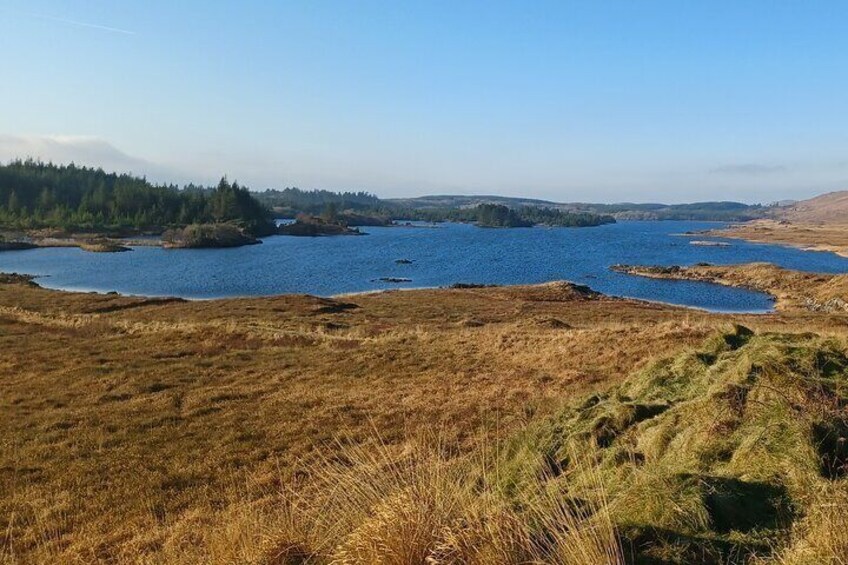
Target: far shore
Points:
(809, 237)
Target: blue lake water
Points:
(442, 255)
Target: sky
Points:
(601, 101)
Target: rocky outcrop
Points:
(198, 236)
(312, 226)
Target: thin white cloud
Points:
(748, 169)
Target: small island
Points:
(314, 226)
(198, 236)
(501, 216)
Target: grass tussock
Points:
(718, 455)
(422, 507)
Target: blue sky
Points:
(590, 101)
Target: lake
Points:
(441, 255)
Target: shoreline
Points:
(384, 291)
(790, 290)
(803, 236)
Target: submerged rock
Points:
(708, 243)
(392, 280)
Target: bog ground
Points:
(160, 430)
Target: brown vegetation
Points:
(830, 208)
(814, 237)
(162, 430)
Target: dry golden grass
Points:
(150, 430)
(416, 505)
(823, 536)
(805, 233)
(829, 208)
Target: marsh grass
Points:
(150, 431)
(707, 457)
(420, 506)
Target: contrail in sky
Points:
(81, 24)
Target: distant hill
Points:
(830, 208)
(453, 207)
(701, 211)
(706, 211)
(463, 201)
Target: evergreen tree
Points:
(35, 194)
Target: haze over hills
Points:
(437, 206)
(831, 207)
(727, 211)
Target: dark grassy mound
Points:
(723, 455)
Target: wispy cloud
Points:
(87, 150)
(84, 150)
(748, 169)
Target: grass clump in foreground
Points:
(729, 454)
(733, 453)
(420, 505)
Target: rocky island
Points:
(207, 236)
(314, 226)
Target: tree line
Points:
(292, 200)
(498, 215)
(363, 208)
(34, 194)
(501, 216)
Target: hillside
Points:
(819, 224)
(289, 202)
(466, 201)
(705, 211)
(830, 208)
